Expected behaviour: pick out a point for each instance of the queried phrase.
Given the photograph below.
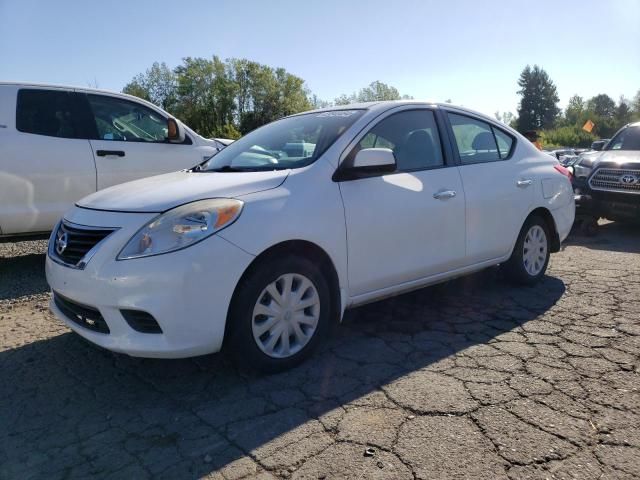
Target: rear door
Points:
(130, 141)
(46, 163)
(499, 190)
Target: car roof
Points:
(381, 106)
(58, 85)
(84, 89)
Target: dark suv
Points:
(607, 185)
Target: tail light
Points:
(564, 171)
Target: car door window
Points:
(412, 136)
(122, 120)
(505, 142)
(475, 140)
(47, 112)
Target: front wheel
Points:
(530, 257)
(279, 314)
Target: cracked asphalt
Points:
(472, 379)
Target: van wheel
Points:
(530, 257)
(279, 314)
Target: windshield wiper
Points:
(227, 168)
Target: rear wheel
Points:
(530, 257)
(279, 314)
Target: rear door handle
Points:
(104, 153)
(444, 194)
(524, 183)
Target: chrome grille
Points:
(611, 180)
(74, 245)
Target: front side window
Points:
(478, 141)
(412, 136)
(292, 142)
(626, 139)
(47, 112)
(122, 120)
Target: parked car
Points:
(260, 249)
(563, 154)
(607, 183)
(59, 144)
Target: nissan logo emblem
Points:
(61, 242)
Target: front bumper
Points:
(610, 205)
(187, 292)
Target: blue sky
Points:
(466, 50)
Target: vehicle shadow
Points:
(611, 236)
(68, 408)
(22, 275)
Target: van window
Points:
(123, 120)
(46, 112)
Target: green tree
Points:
(508, 118)
(623, 114)
(603, 106)
(635, 105)
(567, 136)
(375, 92)
(574, 112)
(538, 107)
(157, 84)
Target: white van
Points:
(59, 144)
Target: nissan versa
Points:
(262, 247)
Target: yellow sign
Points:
(588, 126)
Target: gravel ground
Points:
(473, 379)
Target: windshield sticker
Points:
(337, 113)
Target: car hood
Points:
(614, 159)
(163, 192)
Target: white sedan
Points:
(266, 244)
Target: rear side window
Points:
(505, 142)
(474, 138)
(47, 112)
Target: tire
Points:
(526, 268)
(256, 306)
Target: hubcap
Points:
(286, 315)
(535, 250)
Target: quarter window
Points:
(505, 142)
(411, 135)
(478, 141)
(122, 120)
(46, 112)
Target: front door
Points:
(409, 224)
(131, 142)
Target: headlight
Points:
(582, 170)
(181, 227)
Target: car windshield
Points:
(292, 142)
(626, 139)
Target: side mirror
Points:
(375, 160)
(572, 169)
(597, 146)
(175, 132)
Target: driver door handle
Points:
(524, 183)
(104, 153)
(444, 194)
